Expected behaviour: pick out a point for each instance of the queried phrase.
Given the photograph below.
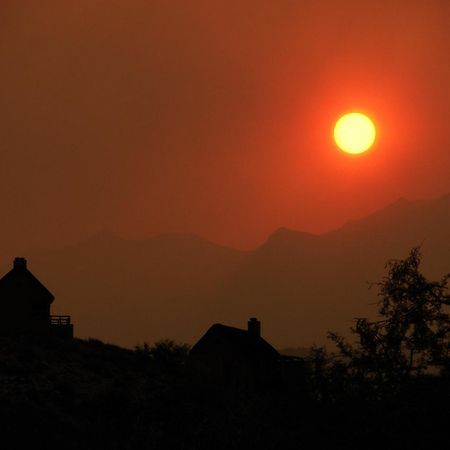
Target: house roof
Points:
(20, 276)
(241, 341)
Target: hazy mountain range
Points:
(300, 285)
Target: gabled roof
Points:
(242, 342)
(20, 275)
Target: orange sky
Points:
(214, 117)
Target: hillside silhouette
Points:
(233, 390)
(176, 285)
(84, 394)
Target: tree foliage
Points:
(166, 354)
(412, 334)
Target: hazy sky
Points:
(214, 117)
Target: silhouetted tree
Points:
(412, 334)
(164, 354)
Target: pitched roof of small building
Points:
(19, 276)
(242, 342)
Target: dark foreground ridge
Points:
(84, 394)
(387, 387)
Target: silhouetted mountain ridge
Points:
(174, 285)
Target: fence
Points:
(60, 320)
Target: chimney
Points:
(20, 263)
(254, 327)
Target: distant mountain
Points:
(299, 284)
(302, 285)
(127, 291)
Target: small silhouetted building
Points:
(233, 356)
(25, 305)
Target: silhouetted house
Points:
(232, 356)
(25, 305)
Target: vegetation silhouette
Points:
(389, 387)
(410, 339)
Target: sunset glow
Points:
(354, 133)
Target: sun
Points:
(354, 133)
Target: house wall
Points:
(23, 309)
(214, 360)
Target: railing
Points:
(60, 320)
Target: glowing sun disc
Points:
(354, 133)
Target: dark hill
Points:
(86, 395)
(67, 394)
